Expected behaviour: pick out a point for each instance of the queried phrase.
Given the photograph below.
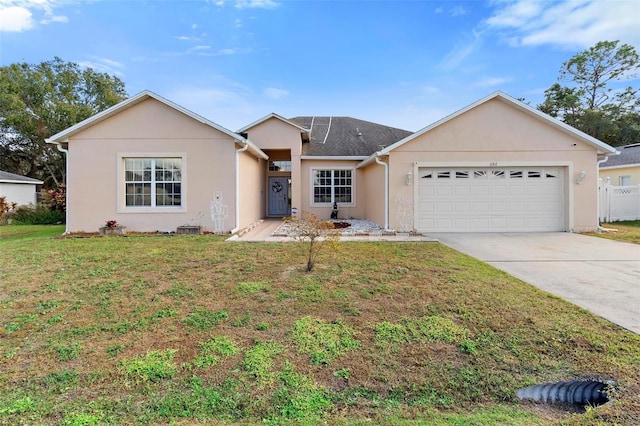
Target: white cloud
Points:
(18, 15)
(458, 11)
(569, 24)
(256, 4)
(15, 19)
(462, 50)
(104, 65)
(492, 81)
(274, 93)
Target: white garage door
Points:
(511, 199)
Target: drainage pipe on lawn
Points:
(386, 190)
(237, 213)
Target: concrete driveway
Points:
(602, 276)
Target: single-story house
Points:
(497, 165)
(623, 169)
(18, 189)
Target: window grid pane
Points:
(153, 182)
(332, 186)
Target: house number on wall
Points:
(493, 164)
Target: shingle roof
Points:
(13, 178)
(629, 154)
(346, 136)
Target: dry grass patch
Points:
(394, 332)
(628, 231)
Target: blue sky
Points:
(400, 63)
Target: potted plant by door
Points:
(111, 227)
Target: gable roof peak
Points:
(601, 147)
(62, 136)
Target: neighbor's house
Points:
(18, 189)
(623, 169)
(497, 165)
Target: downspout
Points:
(386, 190)
(604, 160)
(66, 193)
(238, 151)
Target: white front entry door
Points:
(476, 199)
(279, 196)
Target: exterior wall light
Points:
(581, 177)
(408, 180)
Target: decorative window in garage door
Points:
(491, 174)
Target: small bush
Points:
(39, 214)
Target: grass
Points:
(25, 232)
(192, 329)
(628, 231)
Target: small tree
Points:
(315, 233)
(5, 208)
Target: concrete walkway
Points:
(263, 230)
(602, 276)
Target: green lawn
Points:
(628, 231)
(22, 232)
(193, 329)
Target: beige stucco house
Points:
(497, 165)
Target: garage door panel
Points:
(480, 190)
(514, 199)
(464, 207)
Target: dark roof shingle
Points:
(346, 136)
(629, 154)
(12, 177)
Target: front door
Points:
(279, 196)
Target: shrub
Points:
(308, 229)
(37, 215)
(56, 199)
(6, 208)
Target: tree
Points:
(314, 233)
(38, 101)
(594, 102)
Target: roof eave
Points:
(64, 135)
(270, 116)
(601, 147)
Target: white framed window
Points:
(280, 166)
(333, 185)
(151, 182)
(624, 180)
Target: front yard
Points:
(622, 231)
(190, 329)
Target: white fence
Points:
(618, 203)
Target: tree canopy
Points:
(40, 100)
(594, 100)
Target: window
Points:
(516, 174)
(279, 166)
(153, 182)
(462, 174)
(624, 180)
(331, 186)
